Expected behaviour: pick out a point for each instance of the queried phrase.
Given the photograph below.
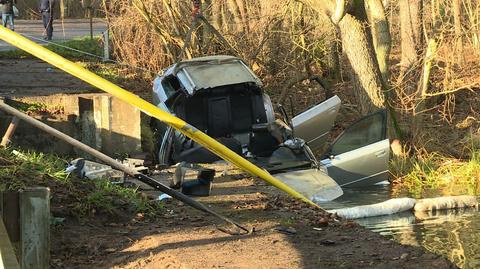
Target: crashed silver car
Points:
(222, 97)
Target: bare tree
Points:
(350, 18)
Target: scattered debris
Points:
(327, 242)
(93, 170)
(164, 196)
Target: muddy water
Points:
(454, 233)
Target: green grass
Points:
(37, 107)
(80, 197)
(431, 174)
(83, 44)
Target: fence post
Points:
(35, 228)
(106, 45)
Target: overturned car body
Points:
(222, 97)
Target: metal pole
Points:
(90, 14)
(115, 164)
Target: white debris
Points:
(164, 197)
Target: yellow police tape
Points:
(148, 108)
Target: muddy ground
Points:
(288, 234)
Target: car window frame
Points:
(382, 112)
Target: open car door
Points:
(360, 155)
(314, 124)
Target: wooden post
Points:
(35, 228)
(9, 133)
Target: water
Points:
(454, 234)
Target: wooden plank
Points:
(35, 228)
(10, 131)
(8, 260)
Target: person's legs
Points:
(45, 23)
(12, 25)
(50, 26)
(4, 20)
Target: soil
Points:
(287, 234)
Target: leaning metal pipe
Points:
(148, 108)
(115, 164)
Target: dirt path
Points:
(28, 77)
(185, 238)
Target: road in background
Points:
(62, 31)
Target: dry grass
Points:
(277, 39)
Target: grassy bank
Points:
(430, 174)
(77, 45)
(71, 196)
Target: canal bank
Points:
(287, 233)
(453, 233)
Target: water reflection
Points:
(452, 233)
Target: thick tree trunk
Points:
(412, 40)
(356, 42)
(364, 70)
(381, 38)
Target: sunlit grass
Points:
(22, 169)
(428, 174)
(79, 45)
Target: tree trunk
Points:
(411, 33)
(381, 38)
(358, 48)
(457, 18)
(364, 70)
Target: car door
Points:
(360, 155)
(314, 124)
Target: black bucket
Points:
(200, 186)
